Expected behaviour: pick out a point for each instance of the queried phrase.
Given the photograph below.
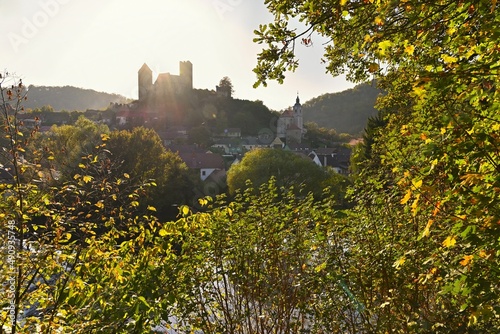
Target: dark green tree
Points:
(289, 170)
(141, 154)
(226, 85)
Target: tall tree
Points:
(289, 170)
(437, 184)
(226, 85)
(60, 275)
(69, 143)
(141, 154)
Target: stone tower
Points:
(145, 82)
(297, 113)
(186, 74)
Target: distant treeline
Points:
(69, 98)
(346, 112)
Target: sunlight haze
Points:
(101, 45)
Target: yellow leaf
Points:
(414, 206)
(404, 130)
(427, 230)
(409, 49)
(407, 197)
(126, 175)
(100, 205)
(450, 241)
(399, 262)
(384, 46)
(163, 233)
(448, 59)
(483, 254)
(379, 21)
(443, 131)
(320, 267)
(87, 178)
(104, 137)
(343, 2)
(417, 184)
(151, 208)
(185, 210)
(472, 319)
(467, 259)
(419, 91)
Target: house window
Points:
(203, 173)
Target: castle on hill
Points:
(166, 100)
(166, 84)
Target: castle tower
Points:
(186, 74)
(297, 111)
(145, 82)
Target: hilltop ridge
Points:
(69, 98)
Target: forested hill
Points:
(69, 98)
(346, 112)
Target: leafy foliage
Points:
(143, 157)
(289, 170)
(426, 220)
(78, 257)
(266, 262)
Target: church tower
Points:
(297, 113)
(145, 82)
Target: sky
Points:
(102, 44)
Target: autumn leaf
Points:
(409, 49)
(87, 178)
(414, 205)
(383, 47)
(467, 259)
(427, 230)
(449, 241)
(373, 67)
(407, 197)
(399, 262)
(417, 184)
(448, 59)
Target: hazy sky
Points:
(102, 44)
